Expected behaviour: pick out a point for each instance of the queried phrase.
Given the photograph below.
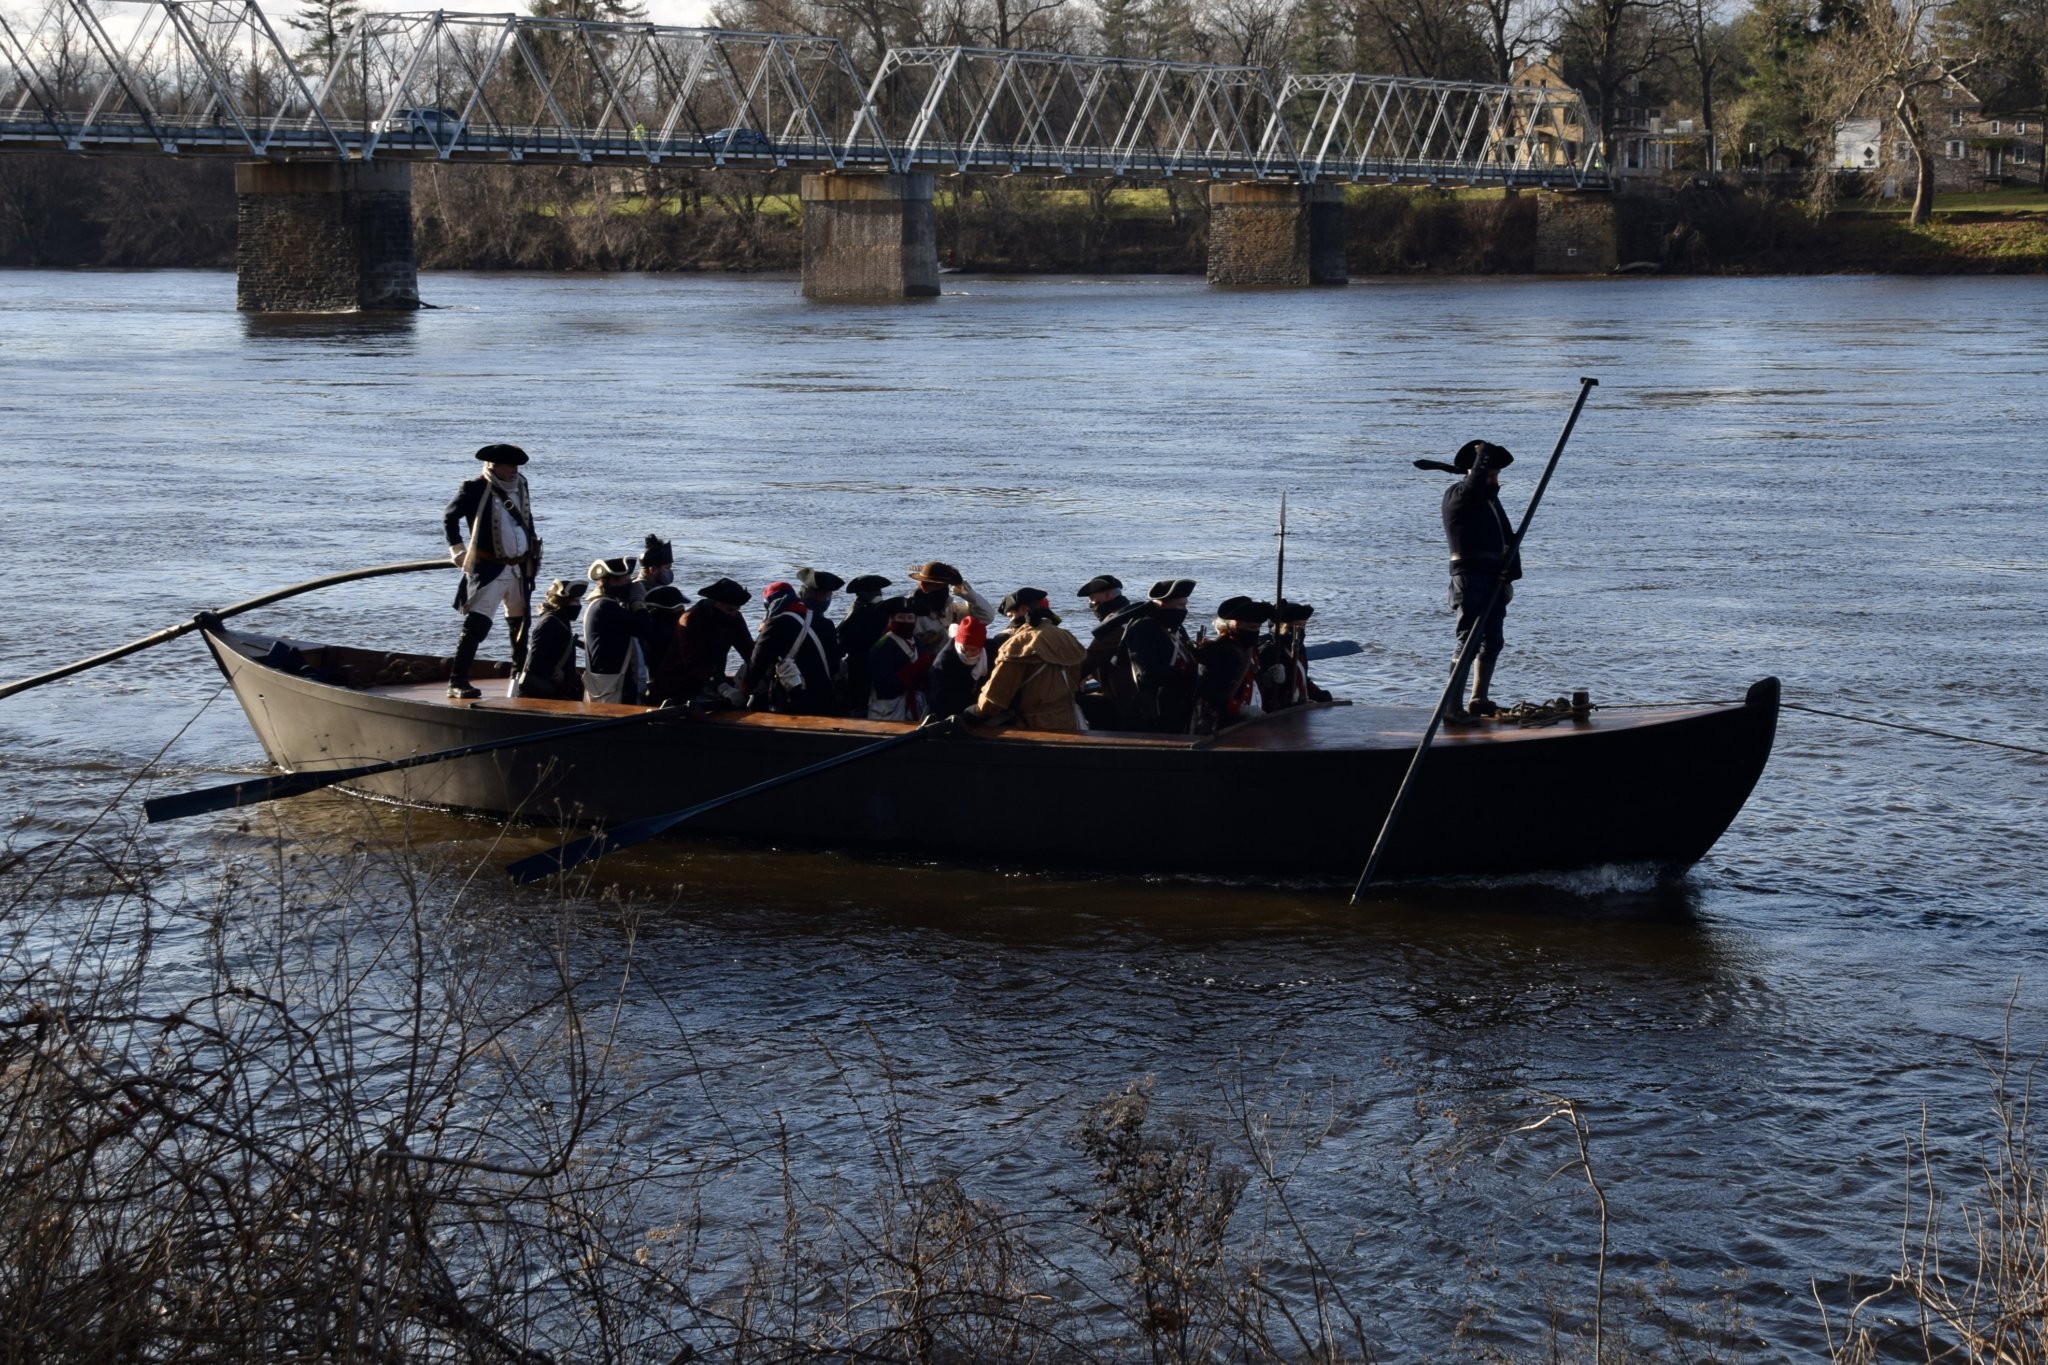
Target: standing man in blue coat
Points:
(499, 556)
(1477, 527)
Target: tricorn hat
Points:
(657, 553)
(935, 571)
(618, 566)
(817, 580)
(1171, 587)
(501, 454)
(1245, 609)
(1020, 599)
(867, 585)
(1102, 582)
(896, 606)
(726, 591)
(563, 591)
(1475, 452)
(1285, 611)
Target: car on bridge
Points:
(751, 141)
(437, 125)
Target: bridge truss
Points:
(185, 77)
(1355, 127)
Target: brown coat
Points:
(1036, 672)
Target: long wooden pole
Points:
(1379, 846)
(565, 856)
(186, 627)
(255, 790)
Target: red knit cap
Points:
(970, 633)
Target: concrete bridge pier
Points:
(1271, 234)
(1575, 234)
(324, 237)
(869, 237)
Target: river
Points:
(1835, 480)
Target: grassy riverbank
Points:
(139, 213)
(338, 1102)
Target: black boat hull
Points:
(1299, 795)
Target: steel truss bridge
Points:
(191, 77)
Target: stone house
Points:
(1978, 149)
(1972, 148)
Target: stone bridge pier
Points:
(1262, 233)
(324, 237)
(869, 237)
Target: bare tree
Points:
(1511, 29)
(1612, 43)
(1890, 61)
(1704, 40)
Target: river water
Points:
(1834, 480)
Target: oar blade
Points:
(253, 791)
(547, 863)
(1332, 649)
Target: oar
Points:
(256, 790)
(185, 627)
(578, 851)
(1379, 845)
(1332, 649)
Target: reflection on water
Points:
(1767, 482)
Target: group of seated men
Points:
(935, 651)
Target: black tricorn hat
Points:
(867, 585)
(1495, 457)
(1244, 609)
(1023, 597)
(1102, 582)
(817, 580)
(896, 606)
(657, 553)
(726, 591)
(1285, 611)
(1171, 587)
(501, 454)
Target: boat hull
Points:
(1299, 795)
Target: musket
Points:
(1280, 568)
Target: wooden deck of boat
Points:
(1343, 726)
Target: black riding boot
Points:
(1456, 714)
(517, 627)
(475, 625)
(1481, 704)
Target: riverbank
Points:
(143, 213)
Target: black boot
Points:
(1455, 713)
(517, 627)
(475, 625)
(1481, 704)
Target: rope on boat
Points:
(1927, 730)
(1918, 729)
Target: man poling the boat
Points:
(1483, 558)
(499, 557)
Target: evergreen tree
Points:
(323, 22)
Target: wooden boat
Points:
(1299, 793)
